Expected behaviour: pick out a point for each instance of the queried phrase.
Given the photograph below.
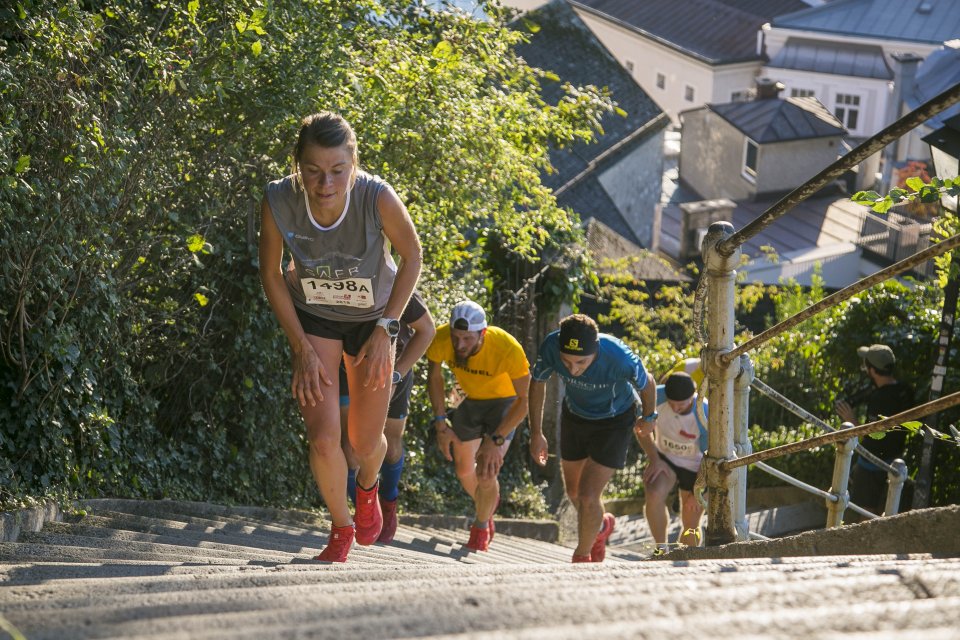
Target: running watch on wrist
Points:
(497, 439)
(652, 417)
(390, 325)
(396, 377)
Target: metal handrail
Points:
(909, 415)
(800, 484)
(803, 414)
(863, 151)
(847, 292)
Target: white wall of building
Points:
(874, 93)
(682, 77)
(731, 82)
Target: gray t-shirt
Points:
(343, 272)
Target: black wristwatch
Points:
(497, 439)
(390, 325)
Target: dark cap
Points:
(679, 386)
(879, 356)
(578, 339)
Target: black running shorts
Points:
(605, 441)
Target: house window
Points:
(802, 93)
(740, 96)
(847, 110)
(688, 93)
(661, 81)
(750, 152)
(628, 65)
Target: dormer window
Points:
(750, 153)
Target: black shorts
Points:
(685, 477)
(474, 418)
(605, 441)
(399, 406)
(352, 334)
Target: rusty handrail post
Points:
(742, 444)
(895, 480)
(721, 274)
(841, 480)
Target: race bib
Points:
(351, 292)
(686, 449)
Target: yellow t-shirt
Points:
(491, 371)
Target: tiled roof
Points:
(779, 120)
(713, 31)
(589, 199)
(564, 45)
(930, 21)
(838, 58)
(607, 245)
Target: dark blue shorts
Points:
(399, 406)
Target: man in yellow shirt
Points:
(492, 370)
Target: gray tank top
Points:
(343, 272)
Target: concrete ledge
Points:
(932, 531)
(12, 523)
(546, 530)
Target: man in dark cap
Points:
(601, 377)
(674, 451)
(868, 482)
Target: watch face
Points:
(393, 328)
(397, 377)
(497, 440)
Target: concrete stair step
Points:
(342, 609)
(167, 570)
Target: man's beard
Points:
(461, 361)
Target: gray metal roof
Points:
(931, 21)
(936, 74)
(779, 120)
(713, 31)
(844, 59)
(565, 45)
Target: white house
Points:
(617, 178)
(686, 53)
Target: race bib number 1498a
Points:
(352, 292)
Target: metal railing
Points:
(729, 369)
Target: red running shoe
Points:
(369, 516)
(479, 539)
(599, 549)
(389, 509)
(577, 558)
(341, 539)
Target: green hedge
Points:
(139, 356)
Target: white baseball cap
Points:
(471, 313)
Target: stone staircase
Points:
(166, 570)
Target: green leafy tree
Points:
(139, 354)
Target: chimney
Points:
(696, 218)
(904, 79)
(768, 88)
